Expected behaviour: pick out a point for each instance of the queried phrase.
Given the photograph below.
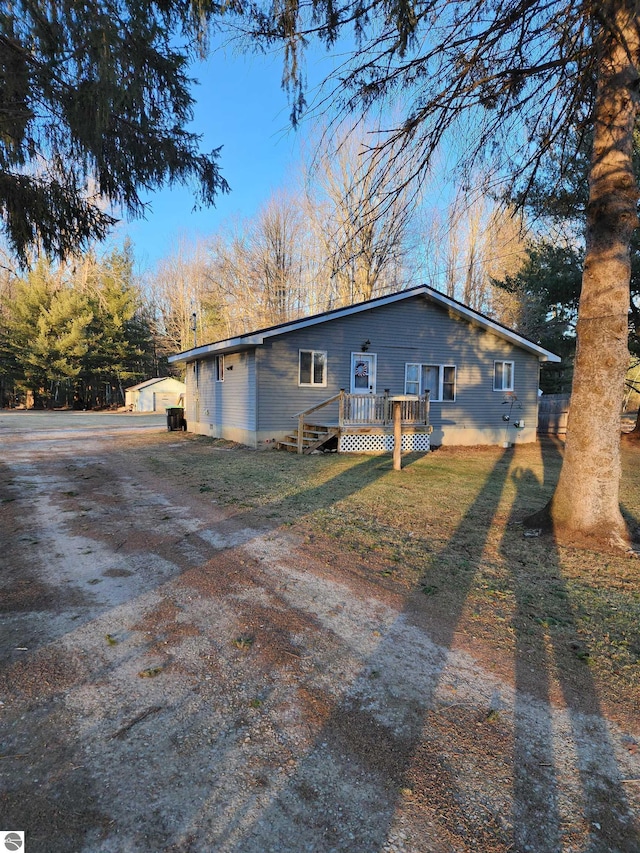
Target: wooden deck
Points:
(356, 415)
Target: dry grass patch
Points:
(447, 530)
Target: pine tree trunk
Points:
(586, 500)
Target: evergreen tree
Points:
(551, 275)
(22, 312)
(78, 328)
(94, 101)
(46, 326)
(119, 340)
(8, 364)
(547, 287)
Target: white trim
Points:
(417, 382)
(504, 361)
(455, 382)
(218, 367)
(257, 338)
(373, 376)
(313, 352)
(441, 368)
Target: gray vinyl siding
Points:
(232, 402)
(190, 397)
(413, 330)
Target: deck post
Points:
(341, 409)
(300, 433)
(397, 435)
(385, 407)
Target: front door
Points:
(363, 373)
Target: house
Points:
(155, 395)
(333, 374)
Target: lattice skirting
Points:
(380, 443)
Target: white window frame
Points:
(502, 388)
(218, 368)
(441, 369)
(372, 357)
(314, 353)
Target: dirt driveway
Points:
(175, 676)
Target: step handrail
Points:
(301, 416)
(319, 405)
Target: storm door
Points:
(363, 373)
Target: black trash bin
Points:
(175, 419)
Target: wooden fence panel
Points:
(553, 410)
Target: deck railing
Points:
(370, 409)
(377, 409)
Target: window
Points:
(412, 379)
(218, 368)
(312, 367)
(448, 380)
(438, 379)
(503, 376)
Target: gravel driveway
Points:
(175, 676)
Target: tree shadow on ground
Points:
(399, 733)
(74, 816)
(388, 742)
(376, 735)
(552, 672)
(25, 591)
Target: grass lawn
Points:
(446, 531)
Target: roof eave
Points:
(497, 329)
(244, 342)
(220, 348)
(252, 340)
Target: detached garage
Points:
(155, 395)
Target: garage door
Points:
(164, 400)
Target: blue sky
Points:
(241, 106)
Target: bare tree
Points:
(276, 258)
(185, 302)
(265, 268)
(229, 270)
(505, 237)
(359, 215)
(479, 240)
